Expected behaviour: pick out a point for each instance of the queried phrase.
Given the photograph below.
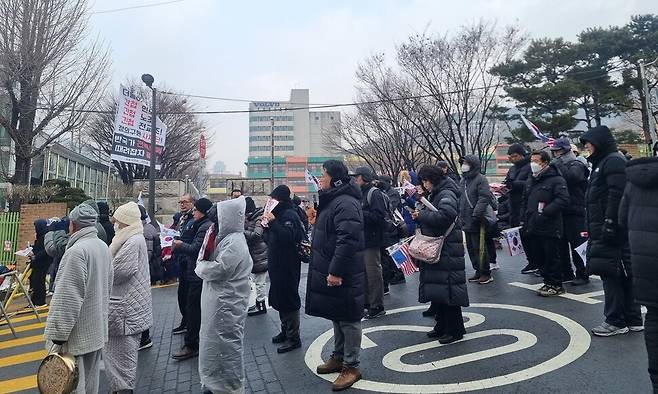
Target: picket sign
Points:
(513, 238)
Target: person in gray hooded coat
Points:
(224, 302)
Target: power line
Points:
(136, 6)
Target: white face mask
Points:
(465, 168)
(535, 168)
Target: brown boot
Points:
(331, 366)
(348, 376)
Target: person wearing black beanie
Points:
(283, 233)
(190, 252)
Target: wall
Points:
(30, 213)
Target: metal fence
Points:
(9, 222)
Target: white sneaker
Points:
(636, 328)
(494, 267)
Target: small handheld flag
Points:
(537, 133)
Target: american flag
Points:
(400, 255)
(409, 189)
(537, 133)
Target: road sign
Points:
(579, 342)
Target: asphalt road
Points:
(516, 342)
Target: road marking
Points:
(586, 298)
(21, 341)
(23, 358)
(579, 343)
(393, 360)
(366, 343)
(24, 318)
(18, 384)
(27, 327)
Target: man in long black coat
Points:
(284, 231)
(639, 215)
(608, 254)
(336, 275)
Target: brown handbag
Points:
(58, 373)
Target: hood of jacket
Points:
(602, 139)
(643, 172)
(41, 227)
(351, 189)
(476, 166)
(446, 183)
(230, 217)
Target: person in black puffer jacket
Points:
(190, 252)
(336, 276)
(284, 231)
(608, 254)
(544, 199)
(444, 283)
(638, 213)
(253, 232)
(516, 178)
(104, 220)
(575, 173)
(40, 261)
(475, 197)
(391, 273)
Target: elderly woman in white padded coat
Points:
(130, 299)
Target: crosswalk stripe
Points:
(18, 384)
(26, 327)
(23, 358)
(19, 319)
(21, 341)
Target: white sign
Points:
(582, 251)
(131, 142)
(579, 342)
(269, 207)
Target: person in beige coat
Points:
(130, 299)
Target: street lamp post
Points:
(272, 151)
(148, 80)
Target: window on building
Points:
(52, 165)
(79, 176)
(70, 175)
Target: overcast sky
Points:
(261, 49)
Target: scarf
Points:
(123, 235)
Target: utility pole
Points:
(148, 80)
(648, 125)
(272, 151)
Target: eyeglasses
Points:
(184, 202)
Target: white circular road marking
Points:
(579, 342)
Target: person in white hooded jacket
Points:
(130, 311)
(224, 301)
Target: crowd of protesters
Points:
(234, 259)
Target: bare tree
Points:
(181, 153)
(453, 112)
(51, 72)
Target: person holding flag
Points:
(444, 283)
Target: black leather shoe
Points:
(279, 338)
(289, 346)
(435, 334)
(447, 338)
(185, 353)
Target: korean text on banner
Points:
(131, 142)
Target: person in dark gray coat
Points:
(638, 213)
(259, 278)
(475, 198)
(444, 283)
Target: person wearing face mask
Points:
(575, 173)
(544, 199)
(475, 197)
(608, 253)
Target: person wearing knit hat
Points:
(284, 231)
(78, 315)
(189, 251)
(132, 287)
(152, 237)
